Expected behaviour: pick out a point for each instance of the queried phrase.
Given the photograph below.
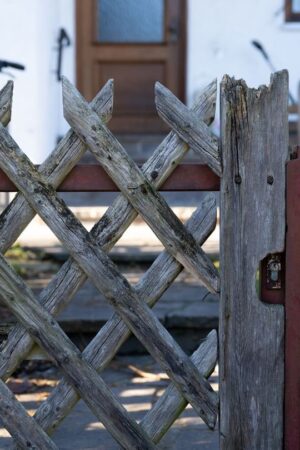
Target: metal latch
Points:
(274, 272)
(272, 278)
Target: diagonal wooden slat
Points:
(15, 218)
(6, 103)
(159, 173)
(23, 428)
(46, 331)
(106, 277)
(135, 186)
(171, 404)
(107, 231)
(188, 127)
(113, 334)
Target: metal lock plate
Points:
(274, 272)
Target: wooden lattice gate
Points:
(254, 152)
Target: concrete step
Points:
(186, 309)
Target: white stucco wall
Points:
(219, 35)
(29, 31)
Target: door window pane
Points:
(130, 21)
(296, 6)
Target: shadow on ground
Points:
(137, 381)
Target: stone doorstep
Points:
(185, 304)
(204, 317)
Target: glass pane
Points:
(296, 6)
(132, 21)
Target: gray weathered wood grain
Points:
(106, 277)
(113, 334)
(254, 127)
(46, 331)
(207, 105)
(15, 218)
(188, 126)
(6, 103)
(136, 187)
(171, 404)
(107, 231)
(23, 428)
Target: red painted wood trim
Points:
(292, 310)
(92, 178)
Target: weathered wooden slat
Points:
(171, 404)
(6, 103)
(23, 428)
(15, 218)
(93, 178)
(107, 231)
(114, 333)
(46, 331)
(136, 187)
(193, 131)
(106, 277)
(254, 150)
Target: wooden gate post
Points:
(254, 127)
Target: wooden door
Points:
(135, 42)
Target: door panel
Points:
(137, 97)
(136, 42)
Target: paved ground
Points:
(138, 383)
